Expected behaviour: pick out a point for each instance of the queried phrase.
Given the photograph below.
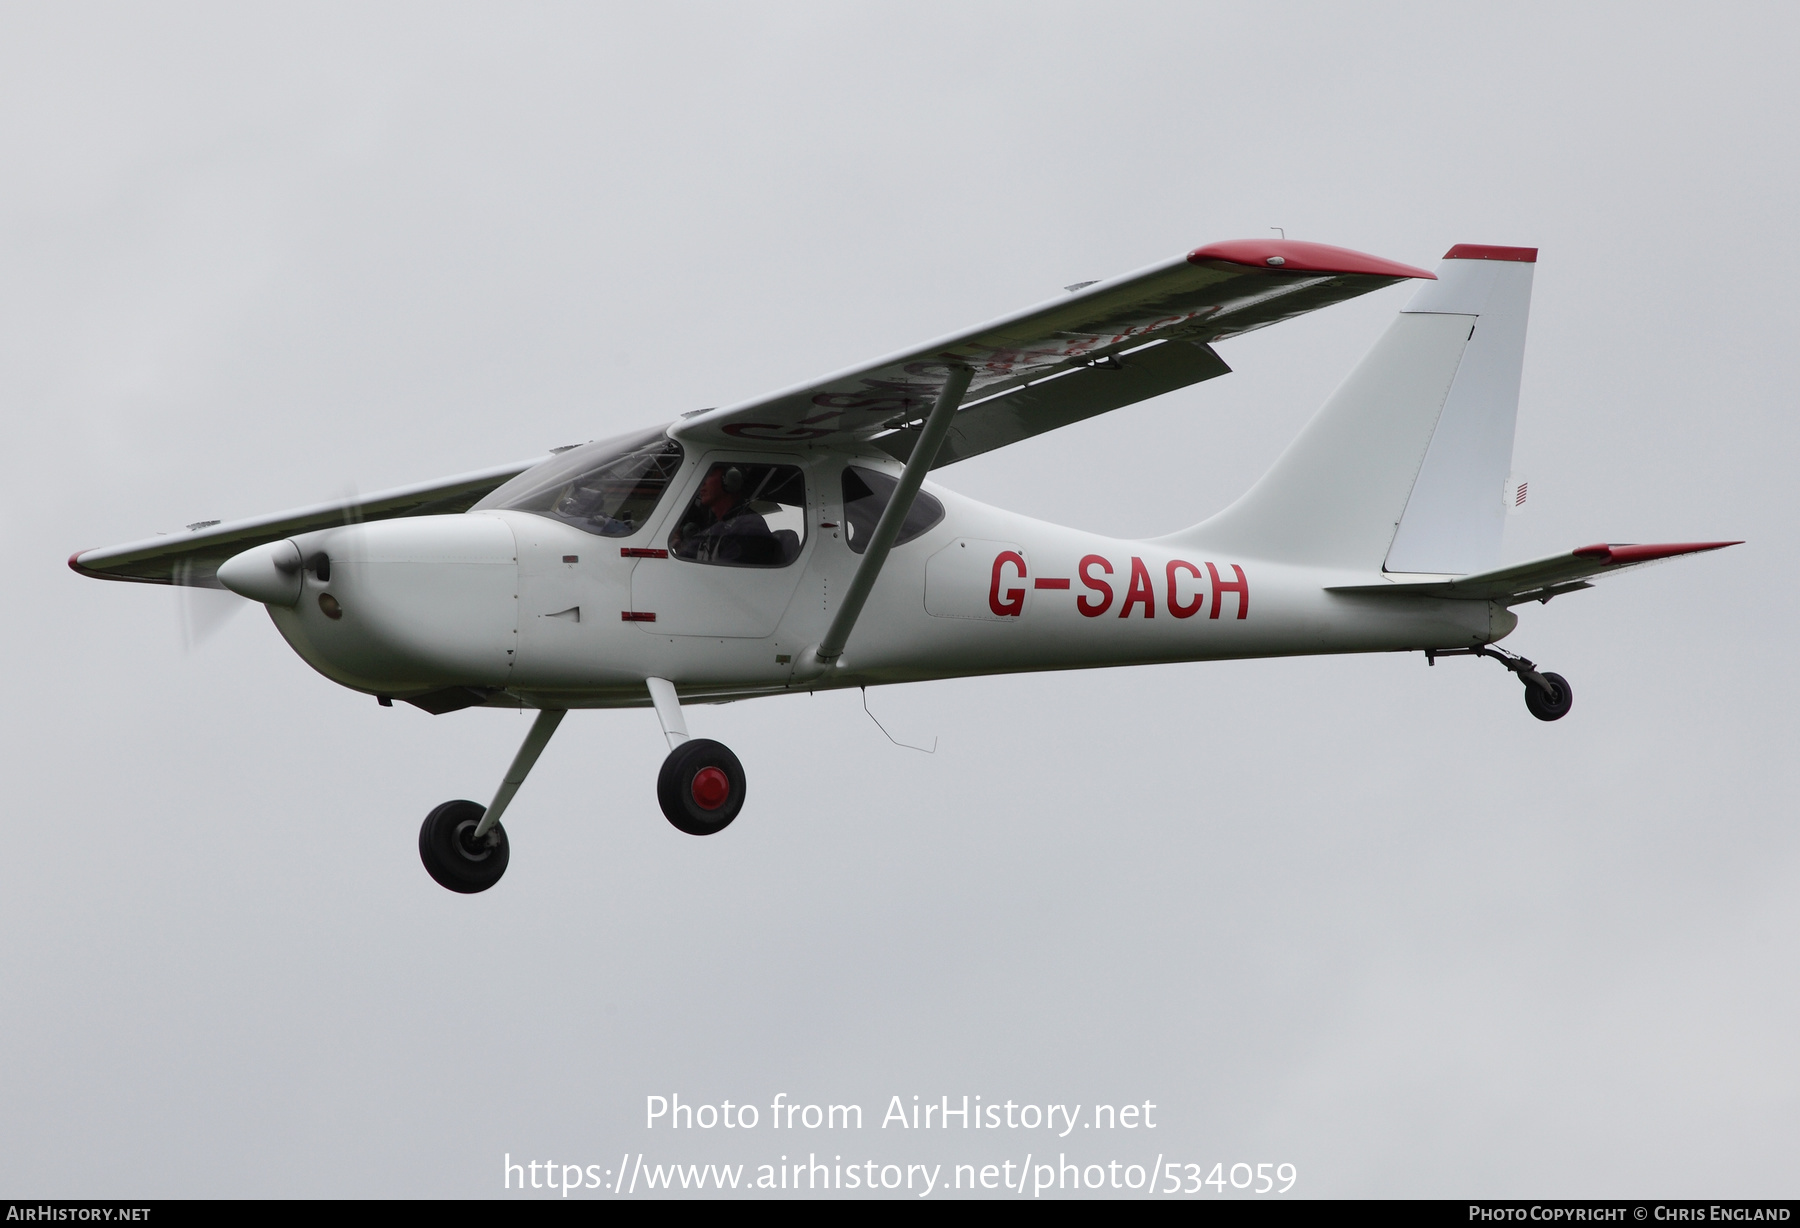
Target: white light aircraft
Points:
(791, 542)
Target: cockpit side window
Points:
(744, 515)
(867, 493)
(609, 488)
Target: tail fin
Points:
(1404, 466)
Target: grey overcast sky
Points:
(1352, 914)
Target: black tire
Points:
(689, 782)
(449, 855)
(1547, 707)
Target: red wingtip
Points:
(78, 569)
(1294, 256)
(1481, 251)
(1643, 554)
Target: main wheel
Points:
(1550, 707)
(453, 856)
(701, 787)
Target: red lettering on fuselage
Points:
(1011, 603)
(1008, 600)
(1094, 609)
(1221, 587)
(1176, 607)
(1140, 591)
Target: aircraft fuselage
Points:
(535, 611)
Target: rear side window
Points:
(744, 515)
(867, 493)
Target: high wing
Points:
(1105, 345)
(1540, 579)
(1102, 346)
(192, 557)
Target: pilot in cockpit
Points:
(721, 527)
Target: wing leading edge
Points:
(192, 558)
(1101, 347)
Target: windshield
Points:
(610, 487)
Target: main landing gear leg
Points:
(461, 843)
(1548, 696)
(701, 785)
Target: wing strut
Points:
(826, 653)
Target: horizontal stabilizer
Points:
(1540, 579)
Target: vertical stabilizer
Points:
(1404, 466)
(1457, 509)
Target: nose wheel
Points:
(701, 787)
(462, 843)
(455, 855)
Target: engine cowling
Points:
(398, 607)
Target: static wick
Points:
(890, 737)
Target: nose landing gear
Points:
(1547, 696)
(461, 843)
(455, 856)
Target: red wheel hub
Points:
(711, 787)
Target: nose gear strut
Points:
(462, 843)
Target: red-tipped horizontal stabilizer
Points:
(1613, 554)
(1542, 578)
